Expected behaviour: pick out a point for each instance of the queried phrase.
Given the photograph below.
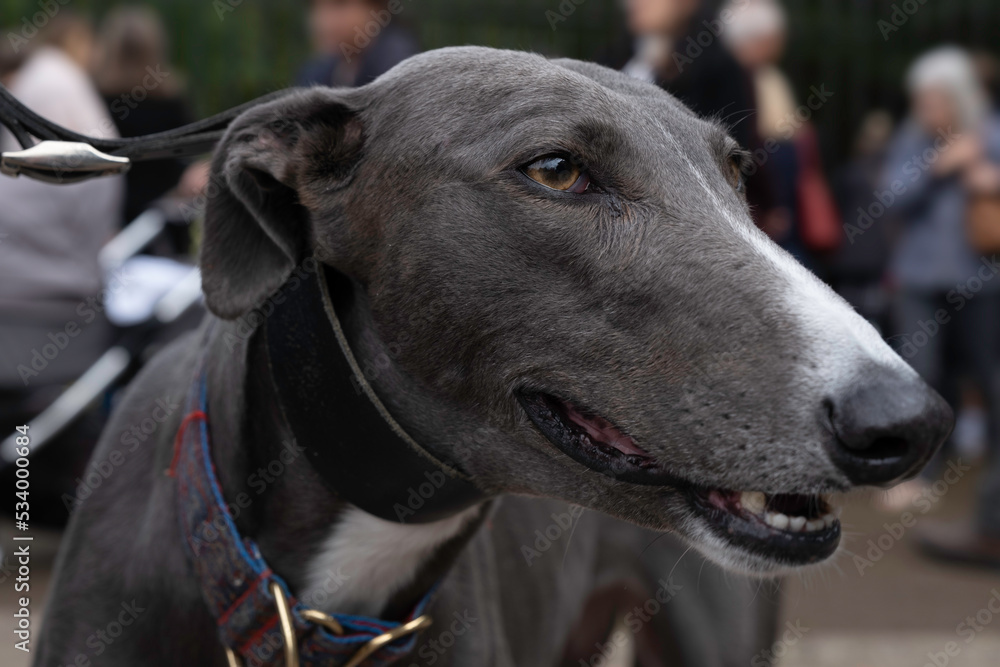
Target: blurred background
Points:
(875, 151)
(232, 51)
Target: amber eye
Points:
(559, 173)
(736, 172)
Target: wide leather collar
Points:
(358, 448)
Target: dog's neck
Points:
(335, 557)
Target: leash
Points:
(64, 156)
(254, 610)
(317, 379)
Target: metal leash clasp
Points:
(329, 622)
(61, 162)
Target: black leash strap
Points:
(352, 440)
(64, 156)
(357, 447)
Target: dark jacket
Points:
(712, 84)
(391, 46)
(145, 182)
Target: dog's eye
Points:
(559, 173)
(736, 173)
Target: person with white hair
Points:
(677, 45)
(808, 223)
(945, 156)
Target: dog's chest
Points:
(365, 560)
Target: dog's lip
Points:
(594, 441)
(789, 529)
(752, 522)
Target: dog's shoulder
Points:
(121, 549)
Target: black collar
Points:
(358, 448)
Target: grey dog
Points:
(555, 271)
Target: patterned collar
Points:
(253, 607)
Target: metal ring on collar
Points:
(329, 622)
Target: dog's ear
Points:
(256, 228)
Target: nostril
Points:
(885, 428)
(884, 450)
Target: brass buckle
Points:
(329, 622)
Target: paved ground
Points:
(898, 612)
(900, 608)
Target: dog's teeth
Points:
(778, 520)
(829, 520)
(796, 523)
(815, 524)
(753, 501)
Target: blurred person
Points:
(858, 269)
(143, 94)
(988, 69)
(706, 78)
(11, 59)
(676, 45)
(945, 154)
(807, 219)
(356, 41)
(52, 326)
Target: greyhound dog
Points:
(547, 281)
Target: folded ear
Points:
(256, 229)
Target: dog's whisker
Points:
(679, 561)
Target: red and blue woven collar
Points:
(253, 606)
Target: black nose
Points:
(887, 426)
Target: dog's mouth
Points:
(791, 529)
(592, 440)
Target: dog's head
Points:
(556, 271)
